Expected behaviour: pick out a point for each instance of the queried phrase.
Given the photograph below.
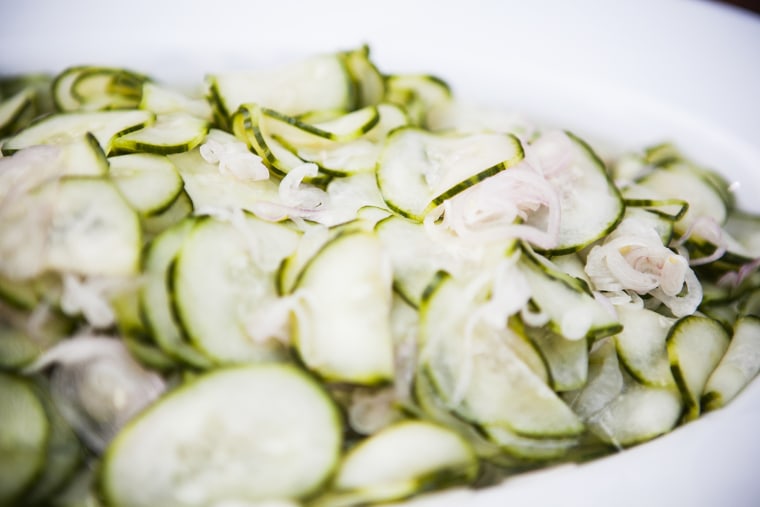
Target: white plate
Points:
(630, 73)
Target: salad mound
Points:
(321, 284)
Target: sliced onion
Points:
(633, 259)
(492, 210)
(710, 230)
(234, 158)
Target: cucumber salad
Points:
(325, 285)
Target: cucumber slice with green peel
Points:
(738, 366)
(640, 197)
(292, 267)
(156, 300)
(590, 204)
(637, 415)
(21, 344)
(21, 294)
(744, 228)
(749, 305)
(78, 224)
(667, 155)
(249, 124)
(413, 256)
(527, 448)
(478, 373)
(17, 349)
(170, 133)
(342, 330)
(360, 155)
(223, 287)
(320, 82)
(96, 85)
(63, 454)
(15, 110)
(417, 93)
(641, 345)
(572, 310)
(63, 127)
(679, 181)
(83, 156)
(87, 88)
(150, 183)
(94, 231)
(695, 345)
(161, 100)
(295, 132)
(604, 383)
(250, 433)
(401, 460)
(180, 209)
(418, 170)
(24, 434)
(566, 360)
(367, 79)
(149, 355)
(432, 407)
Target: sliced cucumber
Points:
(590, 204)
(343, 331)
(641, 345)
(566, 360)
(177, 211)
(320, 82)
(171, 133)
(680, 181)
(738, 366)
(638, 414)
(162, 100)
(417, 93)
(367, 79)
(14, 110)
(413, 256)
(744, 228)
(604, 384)
(155, 298)
(150, 183)
(478, 373)
(401, 460)
(61, 128)
(250, 125)
(223, 286)
(347, 127)
(63, 454)
(94, 231)
(529, 449)
(696, 345)
(250, 433)
(360, 155)
(572, 310)
(291, 268)
(88, 88)
(24, 431)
